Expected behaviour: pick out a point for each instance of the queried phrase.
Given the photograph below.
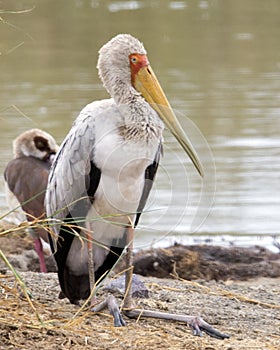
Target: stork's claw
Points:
(112, 305)
(115, 311)
(199, 326)
(118, 319)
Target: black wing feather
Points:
(66, 236)
(150, 174)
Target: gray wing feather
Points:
(67, 180)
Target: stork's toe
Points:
(199, 326)
(118, 319)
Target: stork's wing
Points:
(72, 184)
(74, 177)
(150, 174)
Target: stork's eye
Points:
(133, 59)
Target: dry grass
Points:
(32, 317)
(43, 321)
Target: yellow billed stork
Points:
(26, 178)
(103, 173)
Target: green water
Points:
(219, 64)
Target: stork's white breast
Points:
(122, 164)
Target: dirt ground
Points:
(247, 310)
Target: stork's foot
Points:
(111, 303)
(197, 324)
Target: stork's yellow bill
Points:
(145, 81)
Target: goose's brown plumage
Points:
(26, 178)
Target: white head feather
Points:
(114, 67)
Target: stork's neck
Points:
(122, 92)
(141, 121)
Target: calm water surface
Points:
(219, 64)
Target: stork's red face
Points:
(137, 62)
(145, 81)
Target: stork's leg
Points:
(110, 301)
(39, 250)
(127, 303)
(197, 324)
(91, 271)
